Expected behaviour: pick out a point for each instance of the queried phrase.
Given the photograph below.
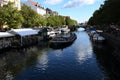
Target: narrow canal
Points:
(82, 60)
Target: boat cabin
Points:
(6, 39)
(24, 36)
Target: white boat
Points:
(51, 34)
(98, 38)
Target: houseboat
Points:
(6, 40)
(24, 37)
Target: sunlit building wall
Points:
(16, 3)
(36, 7)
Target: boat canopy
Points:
(24, 32)
(5, 34)
(92, 31)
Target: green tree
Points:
(3, 19)
(50, 21)
(10, 16)
(31, 18)
(108, 13)
(63, 22)
(42, 20)
(55, 21)
(70, 22)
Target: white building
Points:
(36, 7)
(16, 3)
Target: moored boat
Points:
(62, 41)
(98, 38)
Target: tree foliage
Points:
(31, 18)
(55, 20)
(108, 13)
(27, 17)
(10, 16)
(58, 20)
(70, 22)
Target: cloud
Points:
(76, 3)
(53, 2)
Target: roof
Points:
(5, 34)
(24, 32)
(34, 3)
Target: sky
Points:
(80, 10)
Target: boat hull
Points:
(62, 44)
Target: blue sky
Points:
(80, 10)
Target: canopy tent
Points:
(5, 34)
(24, 32)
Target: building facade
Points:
(36, 7)
(16, 3)
(50, 12)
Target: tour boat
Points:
(62, 41)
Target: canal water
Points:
(82, 60)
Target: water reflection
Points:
(14, 61)
(58, 52)
(11, 63)
(9, 76)
(84, 54)
(84, 49)
(42, 62)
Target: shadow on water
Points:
(61, 46)
(12, 62)
(108, 63)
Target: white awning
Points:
(5, 34)
(24, 32)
